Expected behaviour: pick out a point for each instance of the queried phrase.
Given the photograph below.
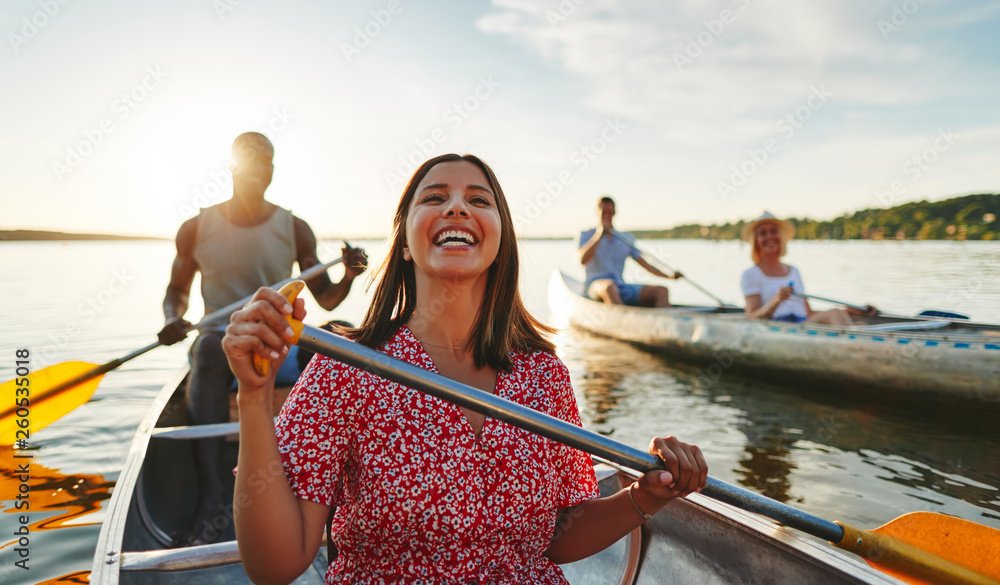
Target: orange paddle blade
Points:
(43, 398)
(925, 548)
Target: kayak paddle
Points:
(919, 548)
(46, 395)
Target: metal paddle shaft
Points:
(370, 360)
(662, 264)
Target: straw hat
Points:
(748, 235)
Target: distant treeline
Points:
(973, 217)
(38, 235)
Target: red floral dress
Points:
(421, 499)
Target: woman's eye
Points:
(433, 197)
(480, 200)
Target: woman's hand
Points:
(686, 472)
(260, 326)
(784, 293)
(867, 311)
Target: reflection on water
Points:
(767, 467)
(78, 578)
(67, 497)
(50, 501)
(602, 389)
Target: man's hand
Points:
(355, 261)
(175, 330)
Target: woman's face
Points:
(767, 237)
(453, 223)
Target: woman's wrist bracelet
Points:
(631, 498)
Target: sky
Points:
(118, 116)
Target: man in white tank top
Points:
(239, 245)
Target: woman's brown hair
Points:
(502, 323)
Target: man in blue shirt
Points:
(603, 252)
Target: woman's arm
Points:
(278, 533)
(594, 525)
(757, 309)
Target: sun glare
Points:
(187, 161)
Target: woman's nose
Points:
(456, 207)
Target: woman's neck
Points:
(771, 265)
(446, 311)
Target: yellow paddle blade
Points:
(925, 548)
(46, 401)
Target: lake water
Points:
(860, 463)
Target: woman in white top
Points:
(773, 290)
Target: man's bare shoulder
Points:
(187, 236)
(301, 226)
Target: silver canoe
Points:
(943, 358)
(695, 540)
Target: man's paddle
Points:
(922, 547)
(54, 391)
(663, 265)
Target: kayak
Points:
(938, 358)
(693, 540)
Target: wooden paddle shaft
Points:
(370, 360)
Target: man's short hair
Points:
(604, 200)
(250, 145)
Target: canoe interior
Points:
(165, 491)
(164, 499)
